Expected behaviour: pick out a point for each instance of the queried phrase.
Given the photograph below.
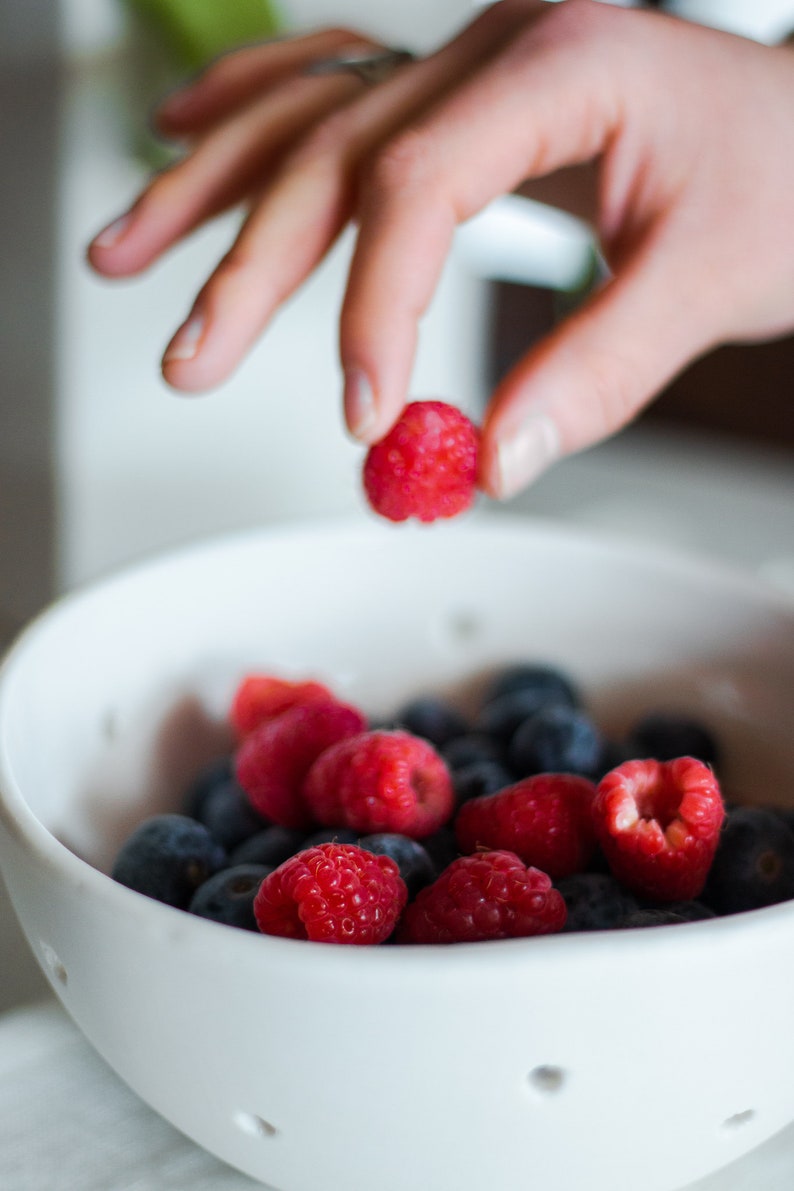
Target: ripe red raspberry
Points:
(332, 893)
(545, 819)
(381, 781)
(658, 823)
(426, 466)
(261, 697)
(490, 895)
(273, 760)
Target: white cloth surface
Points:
(68, 1123)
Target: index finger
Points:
(545, 100)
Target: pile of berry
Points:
(521, 820)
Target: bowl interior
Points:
(113, 699)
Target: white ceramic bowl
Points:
(601, 1062)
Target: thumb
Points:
(593, 373)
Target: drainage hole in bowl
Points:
(253, 1125)
(547, 1079)
(53, 964)
(738, 1119)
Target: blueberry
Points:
(479, 778)
(228, 815)
(595, 901)
(167, 857)
(672, 915)
(442, 847)
(270, 847)
(432, 718)
(556, 739)
(546, 683)
(228, 896)
(416, 867)
(474, 746)
(330, 835)
(214, 774)
(754, 863)
(664, 737)
(500, 717)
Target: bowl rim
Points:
(30, 834)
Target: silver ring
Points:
(370, 68)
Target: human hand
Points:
(691, 131)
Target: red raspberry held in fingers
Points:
(261, 697)
(426, 466)
(491, 895)
(273, 760)
(545, 819)
(381, 781)
(658, 823)
(332, 893)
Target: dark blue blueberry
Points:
(595, 901)
(754, 863)
(479, 778)
(432, 718)
(416, 867)
(500, 718)
(214, 774)
(270, 847)
(672, 915)
(442, 847)
(228, 896)
(664, 737)
(546, 683)
(330, 835)
(167, 857)
(474, 746)
(228, 815)
(556, 740)
(785, 814)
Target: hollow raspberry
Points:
(332, 893)
(381, 781)
(426, 466)
(261, 697)
(273, 760)
(658, 823)
(545, 819)
(491, 895)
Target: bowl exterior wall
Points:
(612, 1062)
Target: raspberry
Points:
(658, 823)
(260, 697)
(333, 893)
(545, 819)
(381, 781)
(273, 760)
(426, 466)
(491, 895)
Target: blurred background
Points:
(101, 464)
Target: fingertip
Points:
(511, 459)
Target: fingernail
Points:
(359, 403)
(526, 454)
(185, 344)
(113, 232)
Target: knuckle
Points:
(406, 162)
(328, 137)
(344, 34)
